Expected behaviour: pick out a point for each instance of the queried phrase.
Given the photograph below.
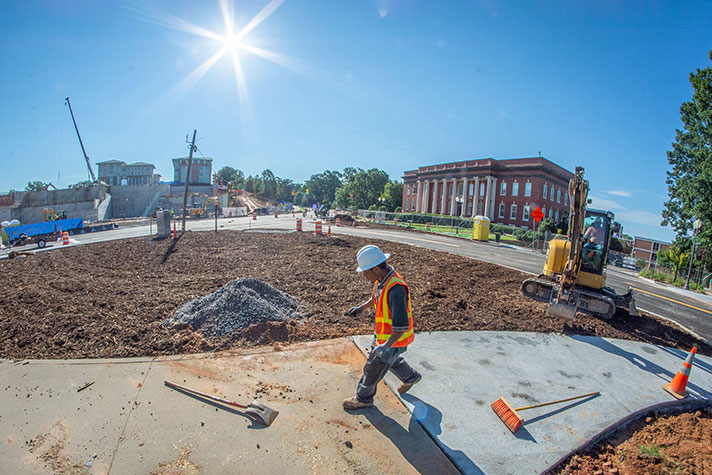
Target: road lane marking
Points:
(416, 239)
(672, 300)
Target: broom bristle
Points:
(507, 414)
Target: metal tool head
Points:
(262, 413)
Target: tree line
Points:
(351, 188)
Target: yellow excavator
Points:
(574, 276)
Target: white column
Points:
(443, 189)
(488, 191)
(426, 191)
(452, 199)
(463, 211)
(418, 199)
(491, 214)
(476, 198)
(434, 201)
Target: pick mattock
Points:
(259, 411)
(513, 420)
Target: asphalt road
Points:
(690, 310)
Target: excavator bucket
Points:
(562, 309)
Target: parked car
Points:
(629, 263)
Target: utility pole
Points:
(187, 178)
(696, 229)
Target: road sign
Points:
(537, 214)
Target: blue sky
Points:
(391, 84)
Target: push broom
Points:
(509, 415)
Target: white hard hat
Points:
(370, 256)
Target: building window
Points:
(543, 211)
(566, 199)
(513, 212)
(653, 257)
(544, 191)
(656, 246)
(501, 210)
(550, 212)
(469, 208)
(558, 196)
(407, 190)
(503, 189)
(482, 189)
(472, 189)
(459, 189)
(525, 213)
(527, 189)
(515, 188)
(557, 216)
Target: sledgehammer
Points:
(262, 413)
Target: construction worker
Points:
(394, 327)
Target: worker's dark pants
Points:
(377, 367)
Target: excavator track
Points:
(589, 302)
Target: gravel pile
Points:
(235, 306)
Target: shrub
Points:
(398, 209)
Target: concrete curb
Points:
(685, 405)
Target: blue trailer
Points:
(40, 233)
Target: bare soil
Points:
(657, 444)
(110, 299)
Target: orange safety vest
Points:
(384, 323)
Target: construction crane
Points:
(91, 172)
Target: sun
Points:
(233, 42)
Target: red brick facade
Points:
(506, 191)
(648, 249)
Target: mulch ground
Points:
(658, 444)
(110, 299)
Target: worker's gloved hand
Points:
(354, 311)
(379, 351)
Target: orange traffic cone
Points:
(677, 386)
(328, 231)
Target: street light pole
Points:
(696, 229)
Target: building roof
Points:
(194, 158)
(140, 164)
(107, 162)
(640, 238)
(488, 163)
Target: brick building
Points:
(648, 249)
(506, 191)
(116, 172)
(201, 170)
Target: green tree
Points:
(230, 175)
(392, 196)
(690, 179)
(322, 187)
(361, 188)
(676, 256)
(285, 187)
(269, 184)
(36, 186)
(250, 184)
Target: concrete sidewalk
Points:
(129, 422)
(464, 372)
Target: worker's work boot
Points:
(353, 404)
(403, 388)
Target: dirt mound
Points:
(235, 306)
(251, 201)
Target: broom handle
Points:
(556, 402)
(209, 396)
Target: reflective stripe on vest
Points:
(384, 328)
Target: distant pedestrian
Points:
(394, 327)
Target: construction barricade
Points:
(338, 221)
(427, 226)
(65, 238)
(317, 227)
(299, 225)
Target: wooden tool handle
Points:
(556, 402)
(209, 396)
